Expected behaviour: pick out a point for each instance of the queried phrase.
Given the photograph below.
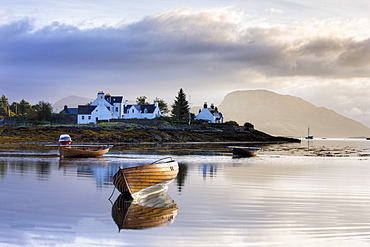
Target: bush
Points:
(232, 123)
(248, 126)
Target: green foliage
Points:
(141, 100)
(232, 123)
(40, 113)
(162, 105)
(23, 107)
(15, 109)
(248, 126)
(4, 106)
(180, 107)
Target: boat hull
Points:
(134, 180)
(156, 211)
(245, 151)
(83, 151)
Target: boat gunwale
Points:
(130, 173)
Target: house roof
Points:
(213, 112)
(113, 99)
(150, 108)
(85, 109)
(69, 111)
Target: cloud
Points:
(212, 51)
(355, 112)
(274, 10)
(183, 38)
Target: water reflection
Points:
(209, 170)
(278, 198)
(22, 166)
(155, 210)
(100, 169)
(181, 176)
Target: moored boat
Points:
(83, 151)
(141, 180)
(309, 137)
(68, 150)
(64, 139)
(246, 151)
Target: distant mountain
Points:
(71, 101)
(286, 115)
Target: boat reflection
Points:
(154, 210)
(81, 162)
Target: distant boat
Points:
(64, 139)
(368, 139)
(157, 210)
(142, 180)
(308, 134)
(66, 150)
(245, 151)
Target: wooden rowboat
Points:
(157, 210)
(68, 150)
(141, 180)
(83, 150)
(246, 151)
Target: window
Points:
(116, 108)
(83, 117)
(89, 117)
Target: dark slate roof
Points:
(113, 99)
(142, 108)
(85, 109)
(69, 111)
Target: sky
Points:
(316, 50)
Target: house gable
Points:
(147, 111)
(211, 115)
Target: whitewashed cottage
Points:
(210, 114)
(147, 111)
(104, 107)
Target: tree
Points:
(4, 106)
(162, 105)
(45, 110)
(14, 108)
(23, 108)
(141, 100)
(40, 112)
(180, 107)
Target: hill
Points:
(287, 115)
(71, 101)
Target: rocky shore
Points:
(126, 133)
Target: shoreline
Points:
(135, 134)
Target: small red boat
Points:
(64, 139)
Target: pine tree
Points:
(180, 107)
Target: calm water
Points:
(286, 196)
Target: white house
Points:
(105, 107)
(211, 115)
(150, 111)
